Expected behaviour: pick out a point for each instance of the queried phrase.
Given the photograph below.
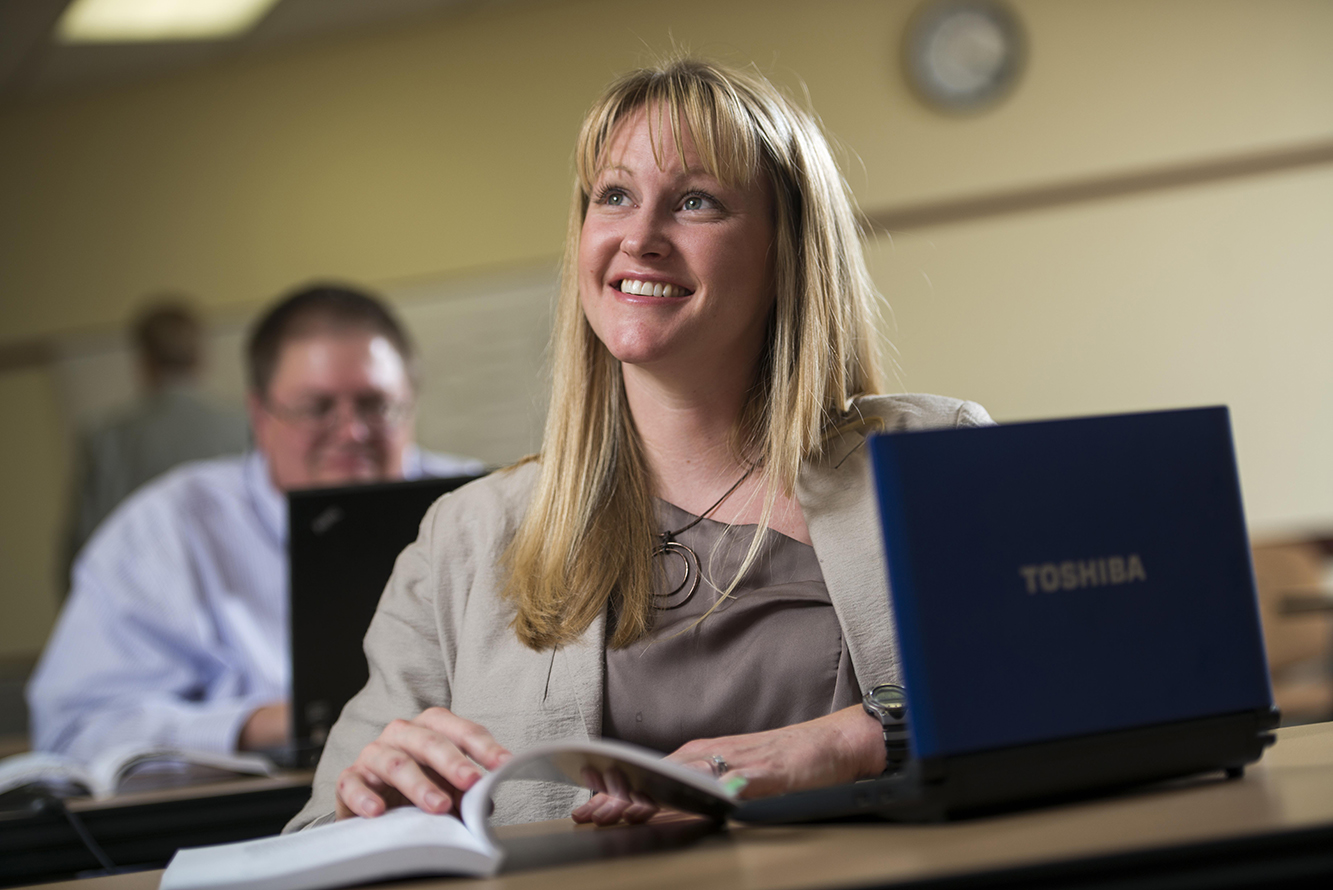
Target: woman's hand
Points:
(429, 761)
(614, 801)
(842, 747)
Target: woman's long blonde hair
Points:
(589, 533)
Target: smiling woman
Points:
(673, 264)
(690, 562)
(710, 180)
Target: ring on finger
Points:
(720, 766)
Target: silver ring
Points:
(720, 766)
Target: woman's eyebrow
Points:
(683, 178)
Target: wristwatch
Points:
(888, 704)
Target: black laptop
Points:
(1075, 610)
(342, 544)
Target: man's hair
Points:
(320, 308)
(590, 531)
(167, 335)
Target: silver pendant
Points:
(675, 599)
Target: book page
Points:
(404, 841)
(42, 768)
(666, 782)
(111, 768)
(407, 841)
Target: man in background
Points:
(172, 423)
(175, 632)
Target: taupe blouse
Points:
(770, 655)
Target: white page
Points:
(404, 841)
(407, 841)
(38, 767)
(110, 767)
(564, 762)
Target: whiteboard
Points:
(481, 343)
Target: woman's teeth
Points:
(651, 289)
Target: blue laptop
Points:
(1075, 611)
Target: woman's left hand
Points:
(842, 747)
(614, 801)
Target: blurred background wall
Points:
(1147, 221)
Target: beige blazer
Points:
(442, 636)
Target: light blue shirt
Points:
(176, 625)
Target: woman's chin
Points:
(640, 348)
(651, 359)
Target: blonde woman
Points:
(691, 563)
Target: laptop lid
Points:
(1066, 578)
(342, 544)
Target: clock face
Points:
(963, 55)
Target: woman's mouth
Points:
(638, 288)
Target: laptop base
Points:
(1026, 775)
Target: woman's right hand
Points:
(428, 761)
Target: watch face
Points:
(892, 699)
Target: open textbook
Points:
(407, 841)
(126, 767)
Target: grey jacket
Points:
(442, 636)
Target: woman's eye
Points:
(612, 197)
(698, 202)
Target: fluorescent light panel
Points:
(126, 21)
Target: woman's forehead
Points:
(674, 141)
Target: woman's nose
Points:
(646, 234)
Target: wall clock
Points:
(963, 56)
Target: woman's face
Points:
(674, 267)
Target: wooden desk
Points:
(1277, 822)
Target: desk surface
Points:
(1285, 798)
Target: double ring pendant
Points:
(671, 547)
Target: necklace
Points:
(670, 547)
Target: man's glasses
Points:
(325, 414)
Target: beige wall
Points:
(442, 152)
(444, 148)
(1221, 295)
(32, 479)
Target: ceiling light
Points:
(124, 21)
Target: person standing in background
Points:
(175, 633)
(173, 422)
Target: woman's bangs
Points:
(723, 137)
(722, 132)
